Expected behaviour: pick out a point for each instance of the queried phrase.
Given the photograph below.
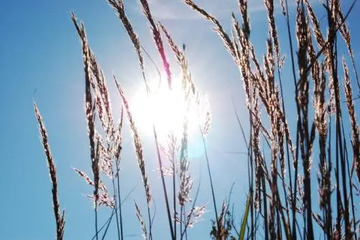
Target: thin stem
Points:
(211, 181)
(120, 208)
(163, 184)
(107, 224)
(116, 208)
(96, 221)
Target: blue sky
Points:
(41, 59)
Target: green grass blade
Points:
(244, 221)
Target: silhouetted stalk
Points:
(181, 220)
(174, 197)
(163, 184)
(287, 153)
(306, 140)
(352, 199)
(332, 51)
(328, 189)
(107, 224)
(119, 7)
(117, 175)
(116, 209)
(295, 163)
(346, 156)
(59, 218)
(355, 137)
(158, 41)
(211, 183)
(251, 169)
(266, 226)
(95, 169)
(120, 208)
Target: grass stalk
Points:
(59, 218)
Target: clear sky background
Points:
(41, 59)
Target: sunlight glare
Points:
(165, 108)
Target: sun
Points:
(166, 108)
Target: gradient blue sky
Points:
(41, 59)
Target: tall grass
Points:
(280, 201)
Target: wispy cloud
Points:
(171, 10)
(165, 9)
(176, 9)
